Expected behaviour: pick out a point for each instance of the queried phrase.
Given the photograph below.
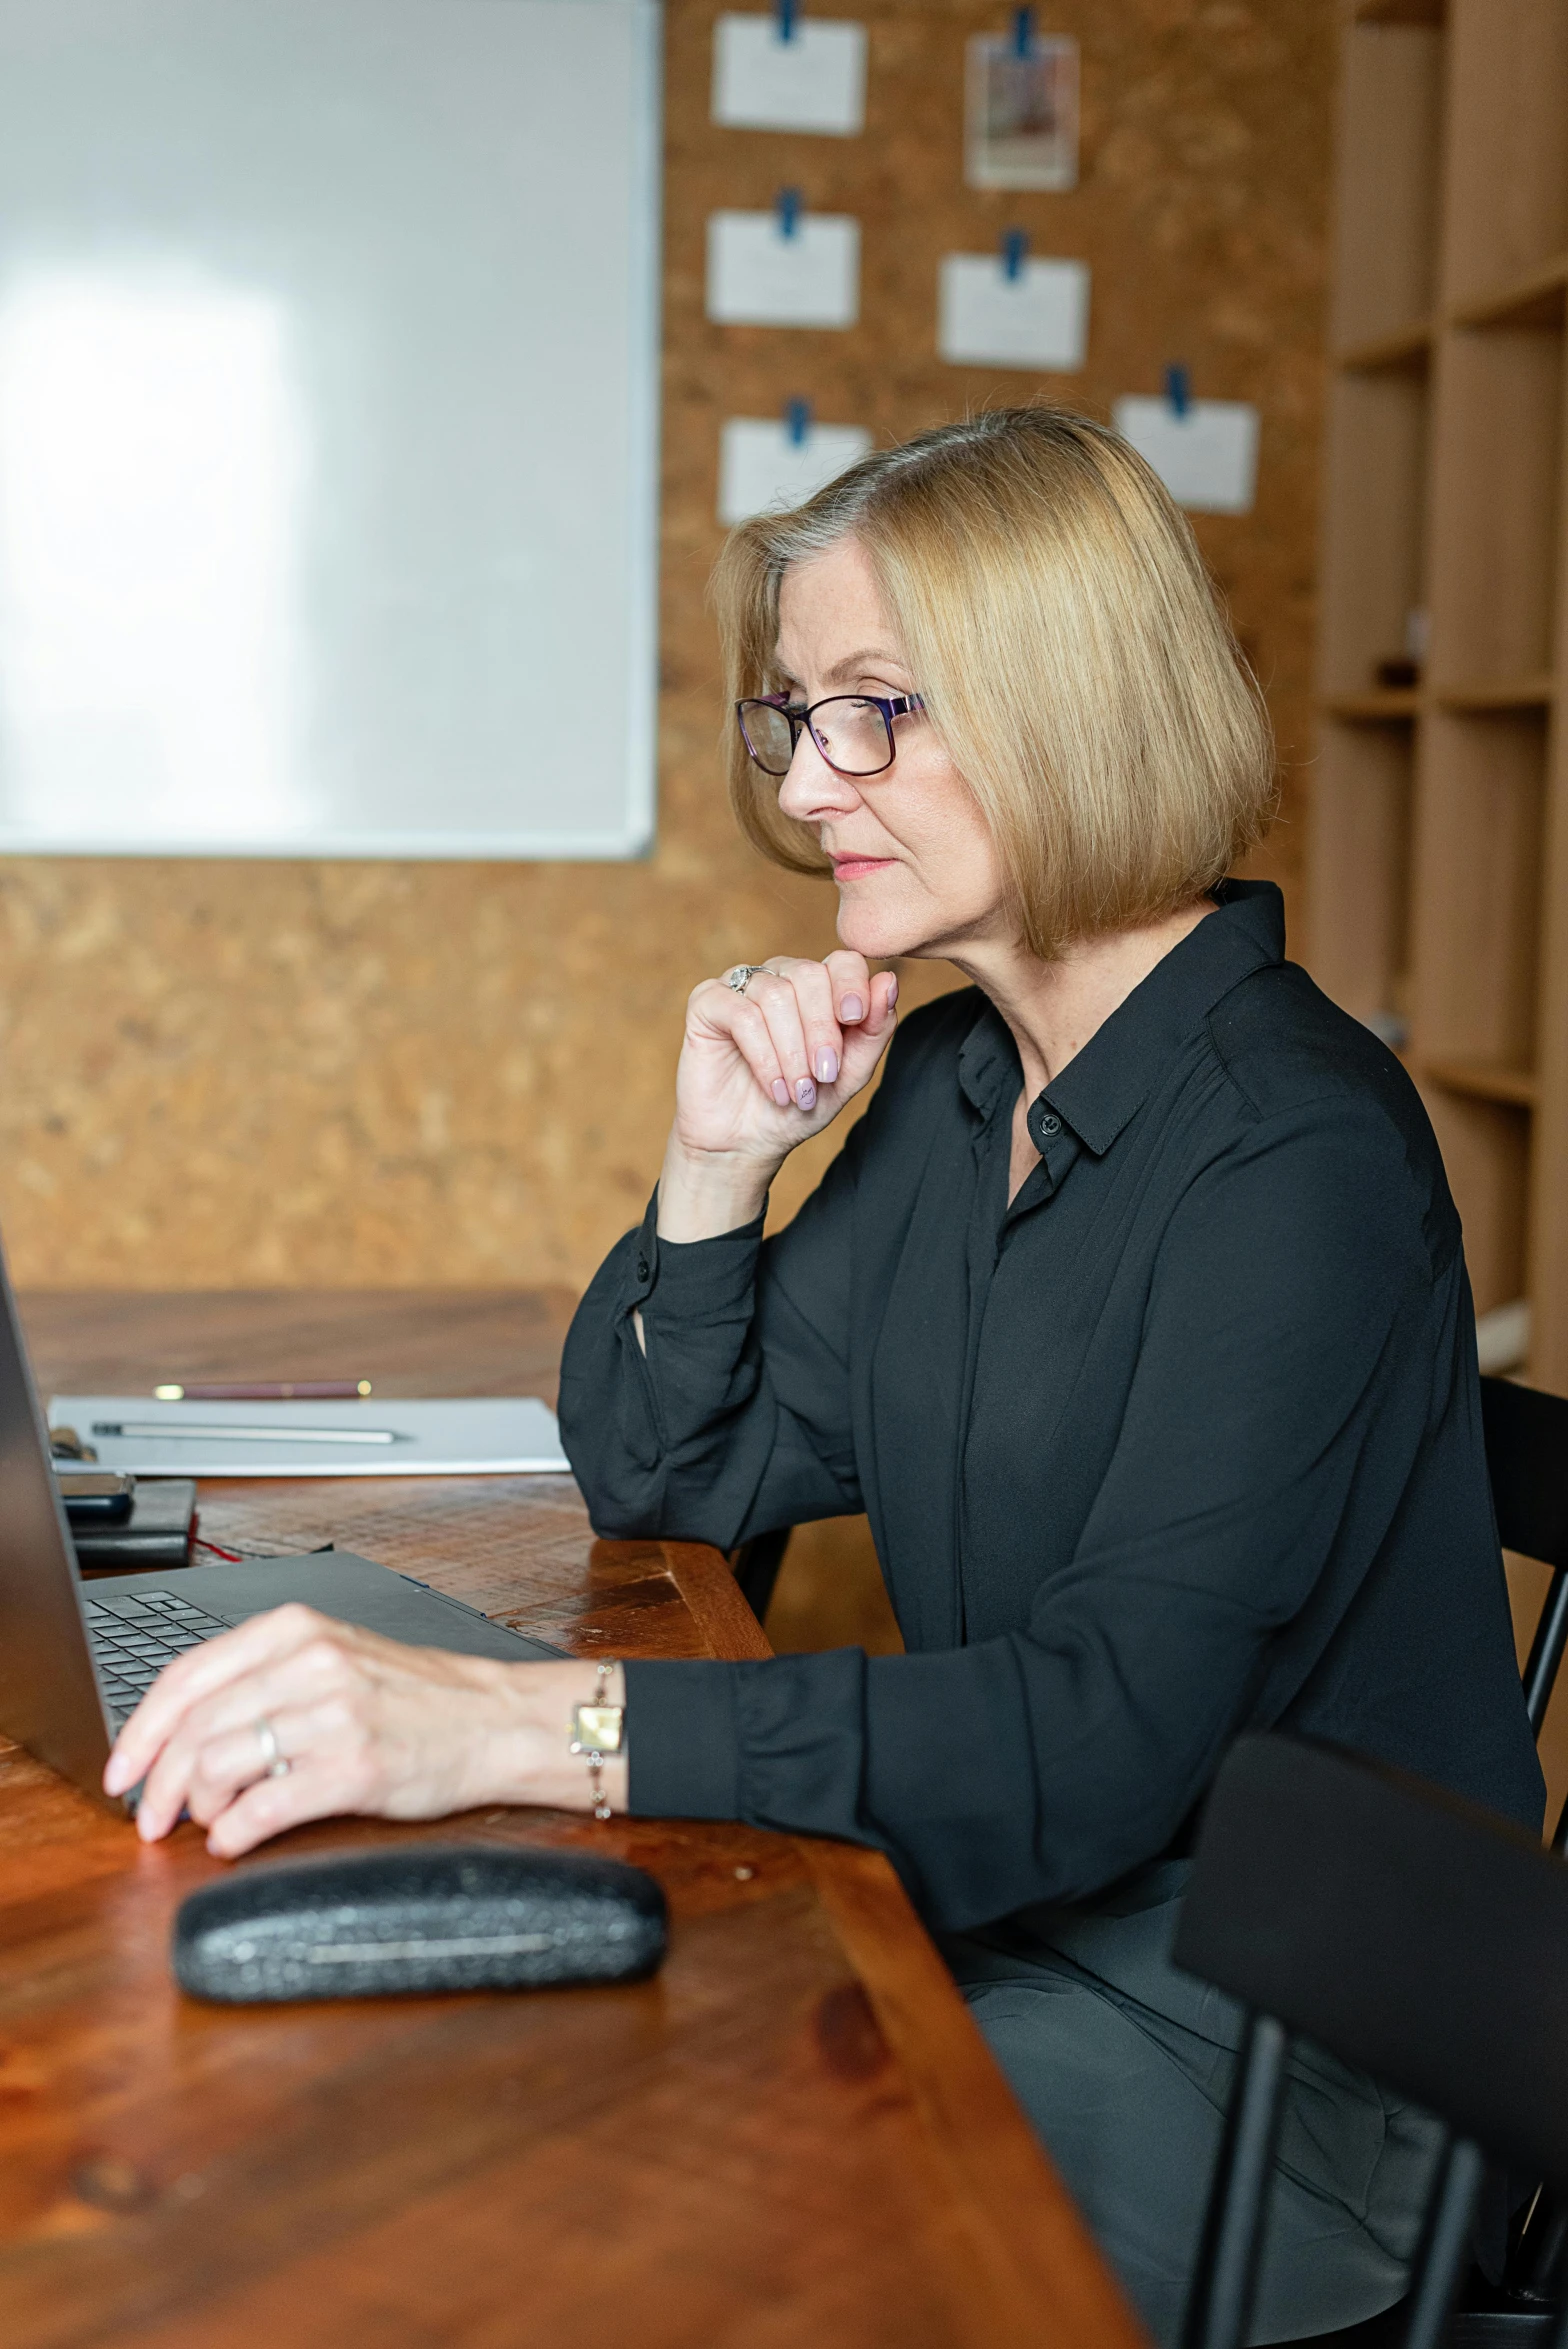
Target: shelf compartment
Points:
(1500, 695)
(1407, 347)
(1540, 298)
(1477, 868)
(1505, 208)
(1486, 1080)
(1486, 1155)
(1390, 134)
(1374, 554)
(1359, 865)
(1494, 536)
(1429, 12)
(1388, 706)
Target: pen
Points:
(284, 1390)
(216, 1432)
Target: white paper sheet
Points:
(814, 81)
(1207, 459)
(478, 1435)
(1040, 318)
(762, 468)
(758, 276)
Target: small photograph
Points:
(1022, 113)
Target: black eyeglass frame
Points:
(799, 715)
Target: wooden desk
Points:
(793, 2135)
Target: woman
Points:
(1133, 1312)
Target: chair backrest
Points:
(1413, 1936)
(1416, 1938)
(1527, 1461)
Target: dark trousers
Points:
(1124, 2067)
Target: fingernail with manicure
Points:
(781, 1092)
(892, 991)
(806, 1093)
(827, 1066)
(852, 1008)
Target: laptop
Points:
(76, 1658)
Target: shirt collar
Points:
(1103, 1085)
(988, 1068)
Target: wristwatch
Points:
(598, 1729)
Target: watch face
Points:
(597, 1728)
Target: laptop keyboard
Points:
(132, 1642)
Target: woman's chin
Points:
(876, 931)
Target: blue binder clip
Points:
(787, 14)
(787, 207)
(797, 422)
(1178, 390)
(1015, 250)
(1023, 32)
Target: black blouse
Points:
(1186, 1440)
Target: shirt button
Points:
(642, 1268)
(1050, 1125)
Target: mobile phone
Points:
(95, 1496)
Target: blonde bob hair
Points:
(1056, 616)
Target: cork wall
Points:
(263, 1073)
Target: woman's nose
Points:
(812, 790)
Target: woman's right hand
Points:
(761, 1072)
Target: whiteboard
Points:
(328, 426)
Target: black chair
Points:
(1527, 1461)
(1415, 1938)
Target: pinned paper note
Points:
(1006, 311)
(1021, 109)
(767, 466)
(1205, 451)
(787, 267)
(789, 72)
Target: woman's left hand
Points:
(365, 1725)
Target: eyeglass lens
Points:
(852, 735)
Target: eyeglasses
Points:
(853, 731)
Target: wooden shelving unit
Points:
(1438, 866)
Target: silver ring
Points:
(742, 975)
(267, 1738)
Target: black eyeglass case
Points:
(422, 1917)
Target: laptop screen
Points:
(49, 1698)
